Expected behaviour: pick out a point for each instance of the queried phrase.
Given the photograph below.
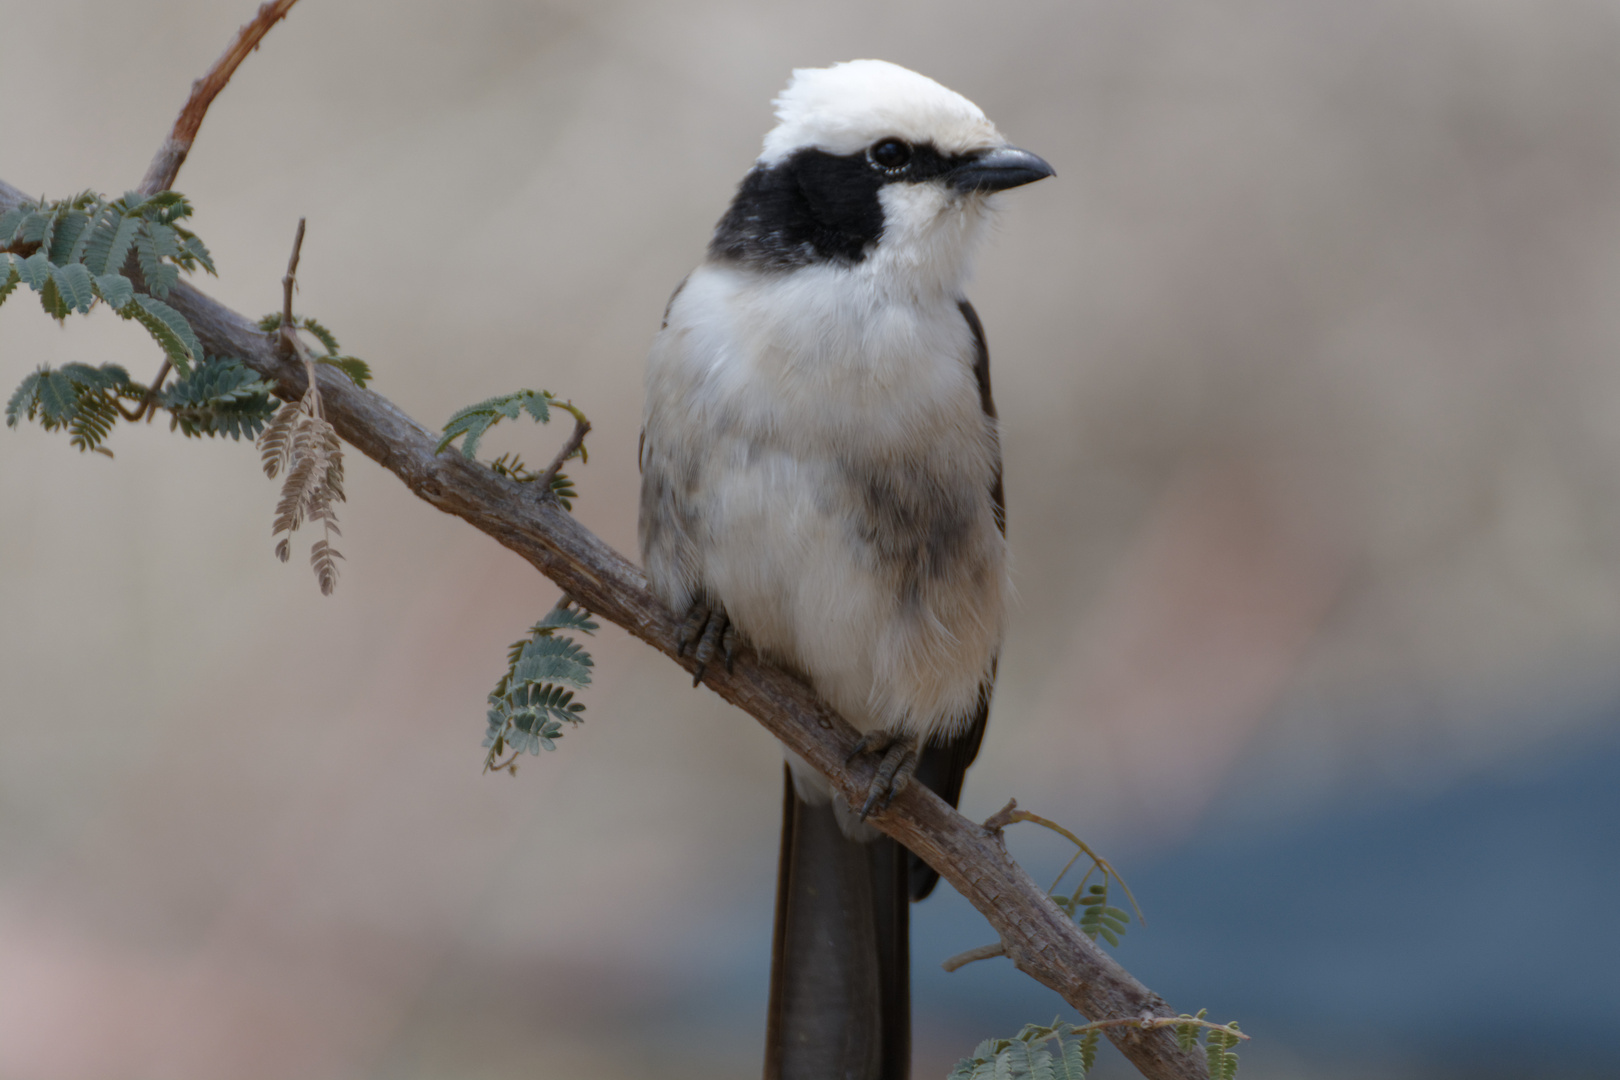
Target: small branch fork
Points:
(1011, 815)
(172, 154)
(574, 445)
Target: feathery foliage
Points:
(300, 442)
(1097, 917)
(358, 371)
(512, 466)
(78, 252)
(530, 704)
(74, 252)
(79, 398)
(1026, 1055)
(1218, 1052)
(1073, 1049)
(471, 423)
(219, 397)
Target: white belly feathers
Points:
(826, 475)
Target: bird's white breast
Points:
(818, 459)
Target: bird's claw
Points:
(710, 628)
(894, 769)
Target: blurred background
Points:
(1306, 363)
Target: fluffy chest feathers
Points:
(816, 359)
(817, 458)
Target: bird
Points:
(821, 482)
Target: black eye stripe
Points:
(819, 207)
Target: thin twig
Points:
(503, 765)
(172, 154)
(148, 406)
(288, 283)
(1009, 815)
(983, 952)
(575, 444)
(289, 329)
(1148, 1022)
(1001, 818)
(1107, 868)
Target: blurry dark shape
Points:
(1468, 932)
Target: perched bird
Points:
(821, 480)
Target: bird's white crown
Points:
(845, 108)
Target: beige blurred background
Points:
(1306, 366)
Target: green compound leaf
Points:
(528, 708)
(169, 328)
(36, 271)
(221, 397)
(559, 659)
(1088, 1049)
(22, 399)
(10, 275)
(117, 247)
(74, 284)
(1027, 1056)
(92, 423)
(325, 336)
(116, 290)
(1070, 1063)
(76, 254)
(475, 420)
(160, 276)
(77, 397)
(106, 377)
(99, 243)
(9, 221)
(163, 239)
(197, 250)
(34, 226)
(566, 618)
(1218, 1047)
(70, 226)
(50, 298)
(358, 371)
(58, 400)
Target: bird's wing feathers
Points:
(943, 763)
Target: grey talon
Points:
(901, 779)
(697, 616)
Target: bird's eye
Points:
(889, 154)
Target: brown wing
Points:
(943, 763)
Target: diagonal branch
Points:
(172, 154)
(1036, 935)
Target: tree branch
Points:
(1035, 934)
(172, 154)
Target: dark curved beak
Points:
(998, 170)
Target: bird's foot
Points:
(705, 629)
(895, 767)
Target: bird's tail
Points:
(841, 958)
